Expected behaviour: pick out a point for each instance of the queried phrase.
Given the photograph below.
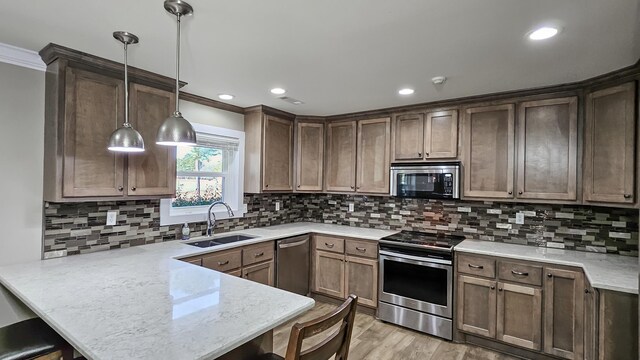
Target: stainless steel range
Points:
(416, 282)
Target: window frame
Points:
(169, 216)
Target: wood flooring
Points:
(375, 340)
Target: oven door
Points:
(416, 283)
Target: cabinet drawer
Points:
(257, 253)
(328, 243)
(361, 248)
(520, 273)
(196, 260)
(477, 266)
(223, 261)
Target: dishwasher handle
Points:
(292, 244)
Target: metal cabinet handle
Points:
(427, 154)
(586, 291)
(361, 249)
(133, 188)
(520, 192)
(298, 186)
(266, 185)
(352, 187)
(476, 266)
(120, 188)
(419, 154)
(493, 287)
(259, 254)
(516, 272)
(627, 196)
(510, 192)
(223, 262)
(330, 246)
(499, 289)
(358, 187)
(549, 276)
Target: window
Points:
(211, 171)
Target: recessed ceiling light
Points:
(278, 91)
(406, 91)
(225, 97)
(543, 33)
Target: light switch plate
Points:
(277, 205)
(112, 217)
(520, 218)
(351, 207)
(245, 208)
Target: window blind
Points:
(217, 141)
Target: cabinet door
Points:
(477, 306)
(489, 151)
(609, 145)
(261, 273)
(564, 313)
(329, 274)
(152, 172)
(341, 157)
(374, 145)
(548, 149)
(94, 108)
(362, 280)
(309, 156)
(277, 161)
(441, 135)
(590, 323)
(519, 315)
(409, 137)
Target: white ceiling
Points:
(345, 55)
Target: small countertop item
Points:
(604, 271)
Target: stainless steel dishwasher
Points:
(292, 264)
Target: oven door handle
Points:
(414, 258)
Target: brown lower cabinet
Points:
(345, 266)
(251, 262)
(523, 304)
(543, 311)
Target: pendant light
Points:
(126, 138)
(176, 130)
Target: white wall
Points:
(210, 116)
(21, 157)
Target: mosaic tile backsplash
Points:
(80, 228)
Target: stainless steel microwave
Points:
(426, 180)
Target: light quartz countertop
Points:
(604, 271)
(142, 303)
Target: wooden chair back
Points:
(337, 343)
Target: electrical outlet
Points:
(112, 217)
(245, 208)
(520, 218)
(277, 205)
(351, 207)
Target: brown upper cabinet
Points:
(269, 150)
(154, 171)
(374, 145)
(84, 105)
(547, 149)
(409, 137)
(419, 136)
(610, 142)
(488, 142)
(341, 156)
(309, 155)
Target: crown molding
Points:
(21, 57)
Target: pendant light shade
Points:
(126, 138)
(176, 130)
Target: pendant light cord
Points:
(126, 88)
(178, 68)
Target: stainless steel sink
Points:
(208, 242)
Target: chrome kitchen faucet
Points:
(211, 223)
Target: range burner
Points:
(416, 239)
